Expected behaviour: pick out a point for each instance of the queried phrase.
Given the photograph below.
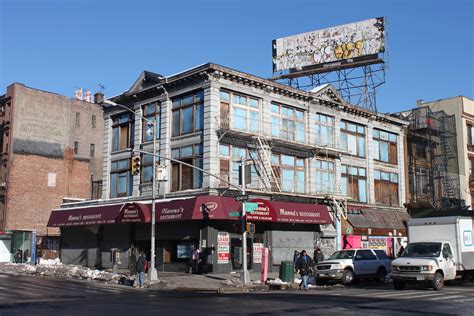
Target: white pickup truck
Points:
(439, 249)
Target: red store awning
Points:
(286, 212)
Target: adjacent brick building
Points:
(51, 149)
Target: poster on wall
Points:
(377, 242)
(223, 248)
(257, 252)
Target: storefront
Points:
(376, 229)
(90, 232)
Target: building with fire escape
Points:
(312, 160)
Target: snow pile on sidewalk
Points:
(235, 282)
(59, 270)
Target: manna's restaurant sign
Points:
(134, 213)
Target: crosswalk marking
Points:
(445, 297)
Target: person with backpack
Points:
(304, 264)
(141, 267)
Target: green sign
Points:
(250, 207)
(231, 214)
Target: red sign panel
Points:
(285, 212)
(134, 213)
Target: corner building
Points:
(306, 155)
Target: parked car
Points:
(348, 265)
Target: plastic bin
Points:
(287, 271)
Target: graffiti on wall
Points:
(329, 45)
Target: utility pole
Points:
(245, 277)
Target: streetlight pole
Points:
(152, 273)
(245, 277)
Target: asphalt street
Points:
(29, 295)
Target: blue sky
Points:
(58, 45)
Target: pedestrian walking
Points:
(140, 268)
(195, 259)
(318, 256)
(304, 265)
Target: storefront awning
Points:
(196, 208)
(286, 212)
(368, 218)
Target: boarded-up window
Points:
(354, 183)
(185, 177)
(386, 188)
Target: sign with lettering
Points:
(223, 247)
(257, 252)
(134, 213)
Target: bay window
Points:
(354, 183)
(288, 123)
(184, 177)
(353, 138)
(187, 114)
(385, 146)
(386, 187)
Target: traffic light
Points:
(135, 165)
(250, 228)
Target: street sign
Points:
(250, 207)
(242, 198)
(234, 214)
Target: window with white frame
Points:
(353, 138)
(385, 146)
(324, 129)
(239, 111)
(291, 172)
(354, 183)
(230, 160)
(325, 176)
(288, 123)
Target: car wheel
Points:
(347, 277)
(381, 275)
(438, 281)
(399, 284)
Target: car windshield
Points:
(343, 254)
(429, 249)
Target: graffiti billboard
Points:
(345, 43)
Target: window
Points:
(184, 177)
(287, 123)
(385, 146)
(230, 164)
(76, 147)
(420, 181)
(147, 168)
(291, 171)
(447, 251)
(324, 129)
(365, 255)
(354, 183)
(188, 113)
(381, 254)
(386, 188)
(353, 138)
(120, 178)
(92, 150)
(122, 131)
(470, 136)
(151, 112)
(78, 119)
(240, 112)
(325, 176)
(94, 121)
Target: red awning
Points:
(83, 216)
(285, 212)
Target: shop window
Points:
(152, 113)
(291, 172)
(120, 178)
(353, 138)
(186, 177)
(325, 176)
(187, 114)
(288, 123)
(324, 129)
(385, 146)
(386, 188)
(122, 131)
(239, 112)
(354, 183)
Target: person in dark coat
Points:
(140, 268)
(304, 265)
(318, 256)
